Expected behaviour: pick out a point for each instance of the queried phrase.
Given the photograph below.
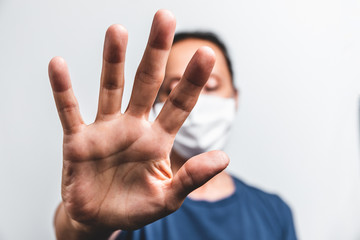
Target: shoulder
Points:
(271, 202)
(271, 207)
(255, 192)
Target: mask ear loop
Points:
(236, 98)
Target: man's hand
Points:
(116, 171)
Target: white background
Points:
(297, 63)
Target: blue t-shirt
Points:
(248, 213)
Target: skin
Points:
(219, 84)
(116, 171)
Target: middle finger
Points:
(151, 70)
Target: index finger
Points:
(184, 96)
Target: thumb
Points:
(197, 171)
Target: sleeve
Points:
(288, 224)
(123, 235)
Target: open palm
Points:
(116, 171)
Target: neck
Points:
(217, 188)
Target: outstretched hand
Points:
(116, 171)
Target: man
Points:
(125, 172)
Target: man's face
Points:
(219, 82)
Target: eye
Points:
(173, 84)
(212, 84)
(166, 88)
(170, 85)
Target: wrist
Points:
(70, 229)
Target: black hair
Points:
(211, 37)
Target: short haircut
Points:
(211, 37)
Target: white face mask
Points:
(206, 128)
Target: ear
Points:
(236, 97)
